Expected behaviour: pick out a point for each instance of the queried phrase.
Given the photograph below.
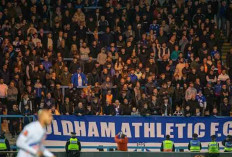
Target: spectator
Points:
(54, 111)
(12, 96)
(79, 110)
(201, 100)
(134, 112)
(25, 101)
(101, 58)
(67, 107)
(84, 52)
(190, 92)
(225, 108)
(223, 76)
(26, 112)
(49, 101)
(178, 111)
(3, 91)
(14, 122)
(108, 109)
(166, 108)
(79, 79)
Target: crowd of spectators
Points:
(116, 57)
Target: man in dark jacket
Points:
(14, 122)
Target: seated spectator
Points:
(108, 109)
(145, 110)
(175, 53)
(67, 107)
(198, 112)
(178, 112)
(135, 112)
(54, 111)
(225, 108)
(79, 110)
(49, 101)
(223, 76)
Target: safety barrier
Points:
(132, 154)
(14, 116)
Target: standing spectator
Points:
(223, 76)
(3, 91)
(25, 101)
(84, 52)
(121, 141)
(12, 96)
(101, 57)
(202, 101)
(102, 24)
(164, 51)
(14, 122)
(49, 101)
(47, 64)
(166, 108)
(26, 112)
(79, 79)
(190, 92)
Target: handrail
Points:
(14, 116)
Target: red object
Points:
(25, 133)
(122, 143)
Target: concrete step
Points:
(225, 48)
(227, 44)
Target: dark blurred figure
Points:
(14, 122)
(227, 143)
(4, 145)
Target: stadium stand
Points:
(117, 57)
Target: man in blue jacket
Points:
(79, 79)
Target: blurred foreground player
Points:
(73, 146)
(30, 139)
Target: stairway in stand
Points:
(225, 48)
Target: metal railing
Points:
(14, 116)
(133, 154)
